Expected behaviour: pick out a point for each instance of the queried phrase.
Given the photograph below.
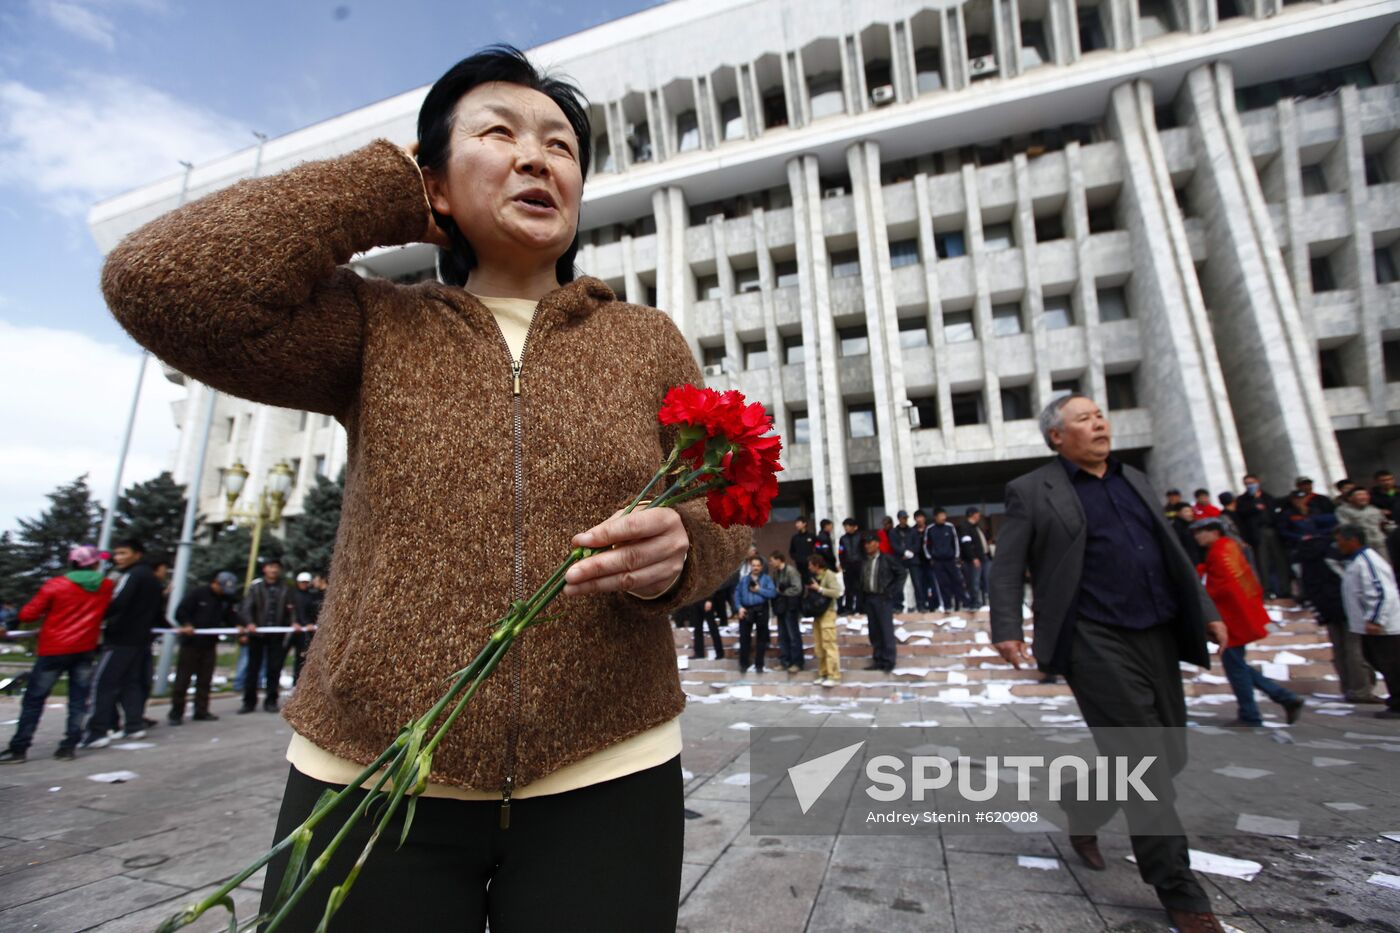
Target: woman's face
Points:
(512, 181)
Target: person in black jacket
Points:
(850, 556)
(268, 604)
(975, 552)
(210, 606)
(908, 545)
(801, 547)
(306, 600)
(126, 645)
(826, 543)
(1257, 513)
(881, 582)
(943, 549)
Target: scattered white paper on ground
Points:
(982, 638)
(742, 779)
(1035, 861)
(683, 662)
(1334, 712)
(53, 790)
(1211, 679)
(134, 746)
(1213, 864)
(861, 715)
(740, 691)
(1343, 806)
(114, 777)
(1321, 762)
(922, 641)
(957, 623)
(956, 677)
(955, 693)
(1385, 881)
(1288, 657)
(922, 723)
(997, 693)
(1063, 717)
(1393, 837)
(910, 672)
(742, 726)
(1244, 774)
(1268, 825)
(687, 774)
(1273, 670)
(902, 634)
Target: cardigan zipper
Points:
(518, 567)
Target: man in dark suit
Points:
(881, 583)
(1117, 606)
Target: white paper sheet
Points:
(1385, 880)
(1268, 825)
(1213, 864)
(1035, 861)
(114, 777)
(1244, 774)
(1343, 806)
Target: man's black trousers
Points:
(600, 859)
(879, 616)
(276, 651)
(1124, 677)
(198, 654)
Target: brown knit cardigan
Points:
(459, 495)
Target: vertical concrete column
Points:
(1269, 357)
(1362, 355)
(1006, 38)
(795, 90)
(826, 410)
(1062, 26)
(674, 288)
(1194, 435)
(1085, 295)
(1120, 24)
(659, 121)
(733, 346)
(706, 113)
(902, 61)
(617, 136)
(954, 48)
(634, 291)
(1385, 61)
(928, 251)
(882, 327)
(750, 102)
(982, 305)
(766, 282)
(853, 88)
(1289, 179)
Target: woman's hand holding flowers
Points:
(647, 552)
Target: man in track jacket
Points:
(137, 607)
(943, 550)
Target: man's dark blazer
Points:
(889, 575)
(1043, 531)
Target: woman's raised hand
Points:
(434, 234)
(647, 553)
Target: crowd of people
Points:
(98, 627)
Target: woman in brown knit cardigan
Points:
(487, 420)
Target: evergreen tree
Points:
(13, 588)
(152, 512)
(311, 535)
(72, 518)
(229, 551)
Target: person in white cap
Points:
(70, 608)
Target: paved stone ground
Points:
(76, 854)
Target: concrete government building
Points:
(905, 225)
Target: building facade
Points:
(905, 226)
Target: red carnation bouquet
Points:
(725, 451)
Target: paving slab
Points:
(86, 905)
(882, 899)
(731, 899)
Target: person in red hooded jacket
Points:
(71, 608)
(1236, 592)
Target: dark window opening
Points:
(1314, 180)
(786, 273)
(1050, 227)
(1113, 305)
(913, 332)
(968, 408)
(1330, 368)
(1390, 353)
(1121, 389)
(1015, 403)
(904, 253)
(854, 341)
(793, 351)
(1386, 273)
(1314, 84)
(957, 327)
(801, 427)
(1091, 32)
(1323, 278)
(712, 356)
(924, 413)
(999, 236)
(1101, 220)
(845, 264)
(756, 355)
(949, 245)
(1062, 386)
(1375, 170)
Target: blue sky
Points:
(100, 96)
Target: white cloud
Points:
(80, 21)
(101, 135)
(64, 400)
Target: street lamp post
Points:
(268, 509)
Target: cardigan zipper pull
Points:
(515, 373)
(505, 801)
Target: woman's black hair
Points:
(507, 64)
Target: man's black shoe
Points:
(8, 757)
(270, 707)
(175, 720)
(1293, 710)
(204, 717)
(149, 723)
(65, 753)
(872, 667)
(245, 708)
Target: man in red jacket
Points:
(71, 608)
(1236, 592)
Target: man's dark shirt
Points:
(800, 547)
(1124, 581)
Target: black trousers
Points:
(275, 650)
(1383, 653)
(702, 619)
(117, 679)
(198, 654)
(1125, 677)
(950, 584)
(755, 618)
(850, 601)
(879, 616)
(604, 858)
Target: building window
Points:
(296, 472)
(957, 327)
(687, 131)
(707, 287)
(968, 409)
(639, 141)
(860, 420)
(1113, 305)
(845, 264)
(1154, 18)
(1064, 387)
(1101, 220)
(825, 96)
(756, 355)
(320, 464)
(928, 69)
(1183, 201)
(801, 427)
(228, 436)
(949, 245)
(854, 341)
(1006, 320)
(1390, 354)
(786, 273)
(1015, 403)
(1226, 9)
(1330, 368)
(1091, 32)
(1048, 228)
(904, 253)
(1314, 180)
(1323, 278)
(1059, 314)
(1034, 49)
(732, 117)
(774, 109)
(792, 350)
(923, 412)
(913, 332)
(602, 154)
(712, 356)
(746, 280)
(1309, 84)
(1385, 267)
(998, 236)
(1121, 389)
(1375, 170)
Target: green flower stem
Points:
(655, 478)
